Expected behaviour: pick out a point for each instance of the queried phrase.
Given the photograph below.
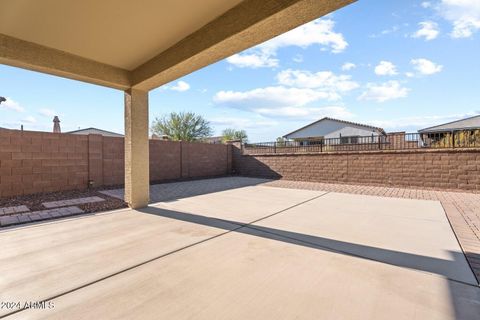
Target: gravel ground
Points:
(34, 201)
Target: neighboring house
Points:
(472, 123)
(88, 131)
(327, 128)
(462, 133)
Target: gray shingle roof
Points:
(468, 123)
(87, 131)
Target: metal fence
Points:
(393, 141)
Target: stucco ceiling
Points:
(121, 33)
(141, 44)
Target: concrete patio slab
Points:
(41, 261)
(251, 252)
(404, 232)
(249, 274)
(242, 205)
(76, 252)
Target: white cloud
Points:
(385, 32)
(242, 123)
(275, 96)
(463, 14)
(298, 58)
(253, 60)
(318, 32)
(180, 86)
(324, 80)
(11, 104)
(383, 92)
(386, 68)
(425, 67)
(296, 88)
(426, 4)
(347, 66)
(290, 99)
(47, 112)
(29, 119)
(428, 30)
(308, 113)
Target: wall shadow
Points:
(169, 192)
(403, 259)
(250, 166)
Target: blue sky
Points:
(401, 65)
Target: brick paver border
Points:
(39, 215)
(12, 210)
(71, 202)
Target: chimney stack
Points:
(56, 125)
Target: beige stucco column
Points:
(136, 149)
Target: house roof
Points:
(337, 120)
(467, 123)
(96, 131)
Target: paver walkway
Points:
(11, 210)
(39, 215)
(175, 190)
(71, 202)
(55, 209)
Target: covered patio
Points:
(139, 46)
(230, 248)
(242, 249)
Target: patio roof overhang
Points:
(137, 46)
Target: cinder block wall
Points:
(443, 169)
(32, 162)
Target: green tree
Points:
(232, 134)
(281, 142)
(185, 126)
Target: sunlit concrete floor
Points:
(240, 250)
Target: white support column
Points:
(137, 177)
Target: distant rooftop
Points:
(341, 121)
(467, 123)
(88, 131)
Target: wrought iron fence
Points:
(391, 141)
